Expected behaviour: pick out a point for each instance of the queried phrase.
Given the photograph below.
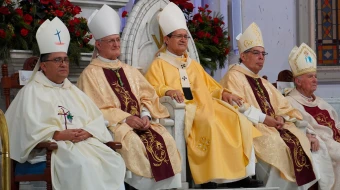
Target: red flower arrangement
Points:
(209, 34)
(18, 26)
(124, 14)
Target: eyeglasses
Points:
(257, 53)
(59, 60)
(111, 41)
(179, 36)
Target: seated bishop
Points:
(285, 159)
(131, 106)
(51, 108)
(323, 120)
(219, 139)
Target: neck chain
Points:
(118, 76)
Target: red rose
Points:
(2, 33)
(86, 40)
(59, 13)
(216, 20)
(226, 51)
(4, 10)
(206, 5)
(207, 35)
(188, 6)
(219, 32)
(24, 32)
(200, 8)
(77, 33)
(209, 11)
(76, 10)
(19, 12)
(200, 34)
(28, 19)
(215, 39)
(124, 14)
(198, 17)
(45, 2)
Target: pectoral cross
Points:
(66, 114)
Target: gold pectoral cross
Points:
(118, 76)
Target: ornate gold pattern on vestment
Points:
(329, 122)
(130, 103)
(155, 148)
(203, 144)
(264, 102)
(300, 158)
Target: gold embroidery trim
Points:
(155, 148)
(299, 155)
(127, 100)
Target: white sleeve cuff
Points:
(145, 112)
(254, 115)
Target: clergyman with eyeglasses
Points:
(285, 159)
(219, 139)
(51, 108)
(131, 107)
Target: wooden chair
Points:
(12, 82)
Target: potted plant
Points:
(20, 22)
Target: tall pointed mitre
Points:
(251, 37)
(52, 36)
(171, 18)
(104, 22)
(302, 60)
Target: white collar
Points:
(107, 60)
(311, 99)
(245, 67)
(174, 55)
(55, 84)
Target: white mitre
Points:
(302, 60)
(104, 22)
(250, 38)
(53, 36)
(171, 18)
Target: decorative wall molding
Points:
(116, 4)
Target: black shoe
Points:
(246, 182)
(209, 185)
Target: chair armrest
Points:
(114, 145)
(47, 145)
(173, 103)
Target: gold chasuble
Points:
(119, 90)
(219, 139)
(286, 149)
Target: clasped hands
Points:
(142, 124)
(73, 135)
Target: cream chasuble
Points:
(270, 147)
(219, 138)
(94, 83)
(39, 110)
(329, 147)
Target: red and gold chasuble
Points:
(323, 118)
(154, 144)
(302, 165)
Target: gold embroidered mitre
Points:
(302, 60)
(251, 37)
